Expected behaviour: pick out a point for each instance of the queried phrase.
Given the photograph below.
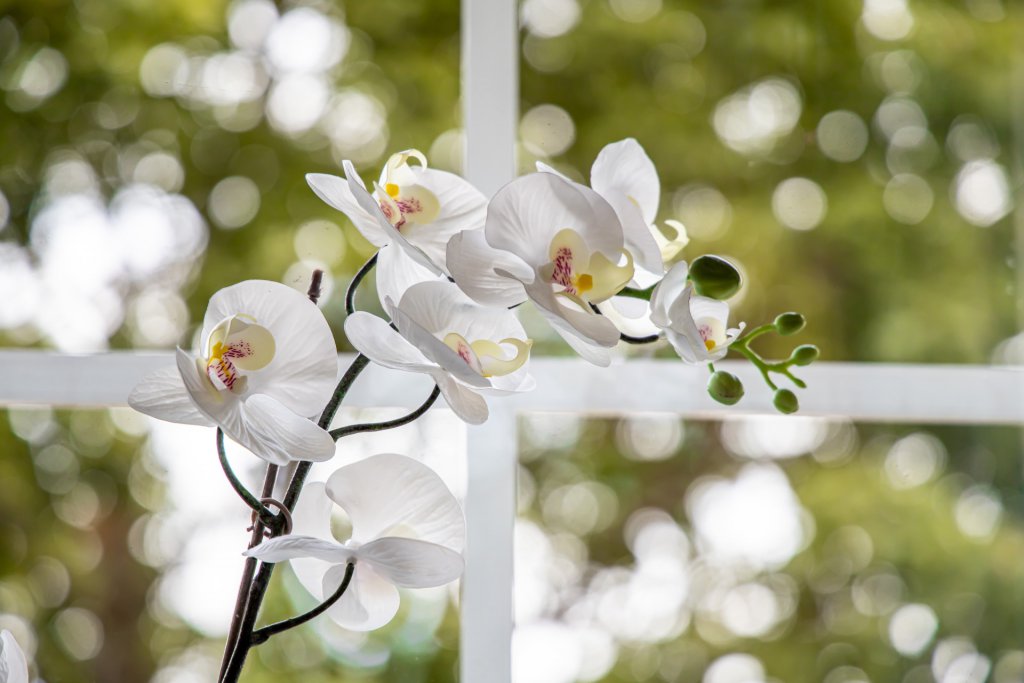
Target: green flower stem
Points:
(264, 634)
(758, 362)
(255, 587)
(350, 295)
(265, 515)
(249, 570)
(342, 432)
(755, 333)
(644, 294)
(781, 367)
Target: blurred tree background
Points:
(860, 160)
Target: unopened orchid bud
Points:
(789, 323)
(714, 277)
(805, 354)
(725, 387)
(785, 401)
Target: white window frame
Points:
(958, 394)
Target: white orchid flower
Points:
(267, 363)
(466, 348)
(696, 326)
(407, 531)
(415, 208)
(626, 177)
(556, 243)
(13, 665)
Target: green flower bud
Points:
(714, 277)
(789, 323)
(785, 401)
(725, 387)
(805, 354)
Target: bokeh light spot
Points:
(799, 203)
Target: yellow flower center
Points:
(233, 345)
(584, 276)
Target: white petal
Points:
(312, 517)
(433, 348)
(705, 307)
(625, 176)
(304, 370)
(276, 434)
(291, 546)
(410, 563)
(545, 168)
(683, 333)
(442, 307)
(463, 207)
(473, 262)
(624, 168)
(397, 272)
(388, 493)
(369, 602)
(600, 356)
(464, 401)
(395, 236)
(335, 192)
(12, 655)
(525, 215)
(590, 326)
(376, 339)
(162, 395)
(667, 292)
(215, 405)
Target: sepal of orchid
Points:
(714, 277)
(805, 354)
(785, 401)
(789, 323)
(725, 387)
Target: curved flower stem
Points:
(241, 600)
(255, 587)
(755, 333)
(649, 339)
(350, 295)
(644, 294)
(262, 635)
(265, 515)
(780, 367)
(342, 432)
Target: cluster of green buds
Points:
(716, 278)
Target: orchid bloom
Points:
(412, 206)
(696, 326)
(626, 178)
(556, 243)
(407, 531)
(467, 349)
(267, 363)
(13, 665)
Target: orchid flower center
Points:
(712, 332)
(235, 346)
(487, 357)
(584, 276)
(404, 201)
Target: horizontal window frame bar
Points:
(863, 392)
